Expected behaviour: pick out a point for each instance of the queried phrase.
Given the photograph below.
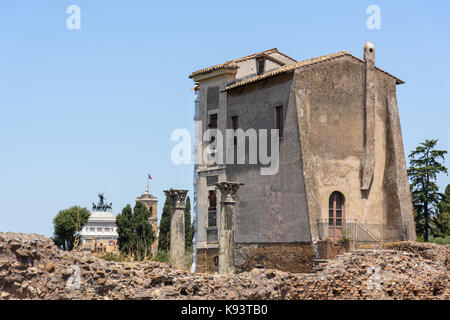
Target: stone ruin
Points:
(32, 267)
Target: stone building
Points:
(342, 169)
(99, 234)
(151, 203)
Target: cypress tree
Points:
(125, 230)
(188, 225)
(135, 232)
(164, 228)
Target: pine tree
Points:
(441, 224)
(423, 171)
(164, 228)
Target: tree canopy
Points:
(424, 167)
(67, 224)
(135, 232)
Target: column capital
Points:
(177, 197)
(228, 190)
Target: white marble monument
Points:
(101, 225)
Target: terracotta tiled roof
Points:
(287, 68)
(225, 65)
(231, 64)
(300, 64)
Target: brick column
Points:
(226, 235)
(177, 205)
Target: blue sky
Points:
(90, 110)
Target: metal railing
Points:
(357, 231)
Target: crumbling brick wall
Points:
(207, 260)
(290, 257)
(31, 267)
(329, 249)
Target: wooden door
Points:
(336, 216)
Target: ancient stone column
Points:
(177, 205)
(226, 234)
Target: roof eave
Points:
(294, 67)
(397, 80)
(213, 73)
(232, 63)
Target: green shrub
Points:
(110, 256)
(162, 256)
(345, 240)
(441, 240)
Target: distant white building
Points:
(100, 227)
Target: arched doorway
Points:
(336, 215)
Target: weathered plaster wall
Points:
(203, 169)
(247, 68)
(270, 208)
(397, 174)
(282, 58)
(270, 65)
(330, 108)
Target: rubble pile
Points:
(31, 267)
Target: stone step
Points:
(319, 264)
(321, 260)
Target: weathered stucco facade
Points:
(342, 170)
